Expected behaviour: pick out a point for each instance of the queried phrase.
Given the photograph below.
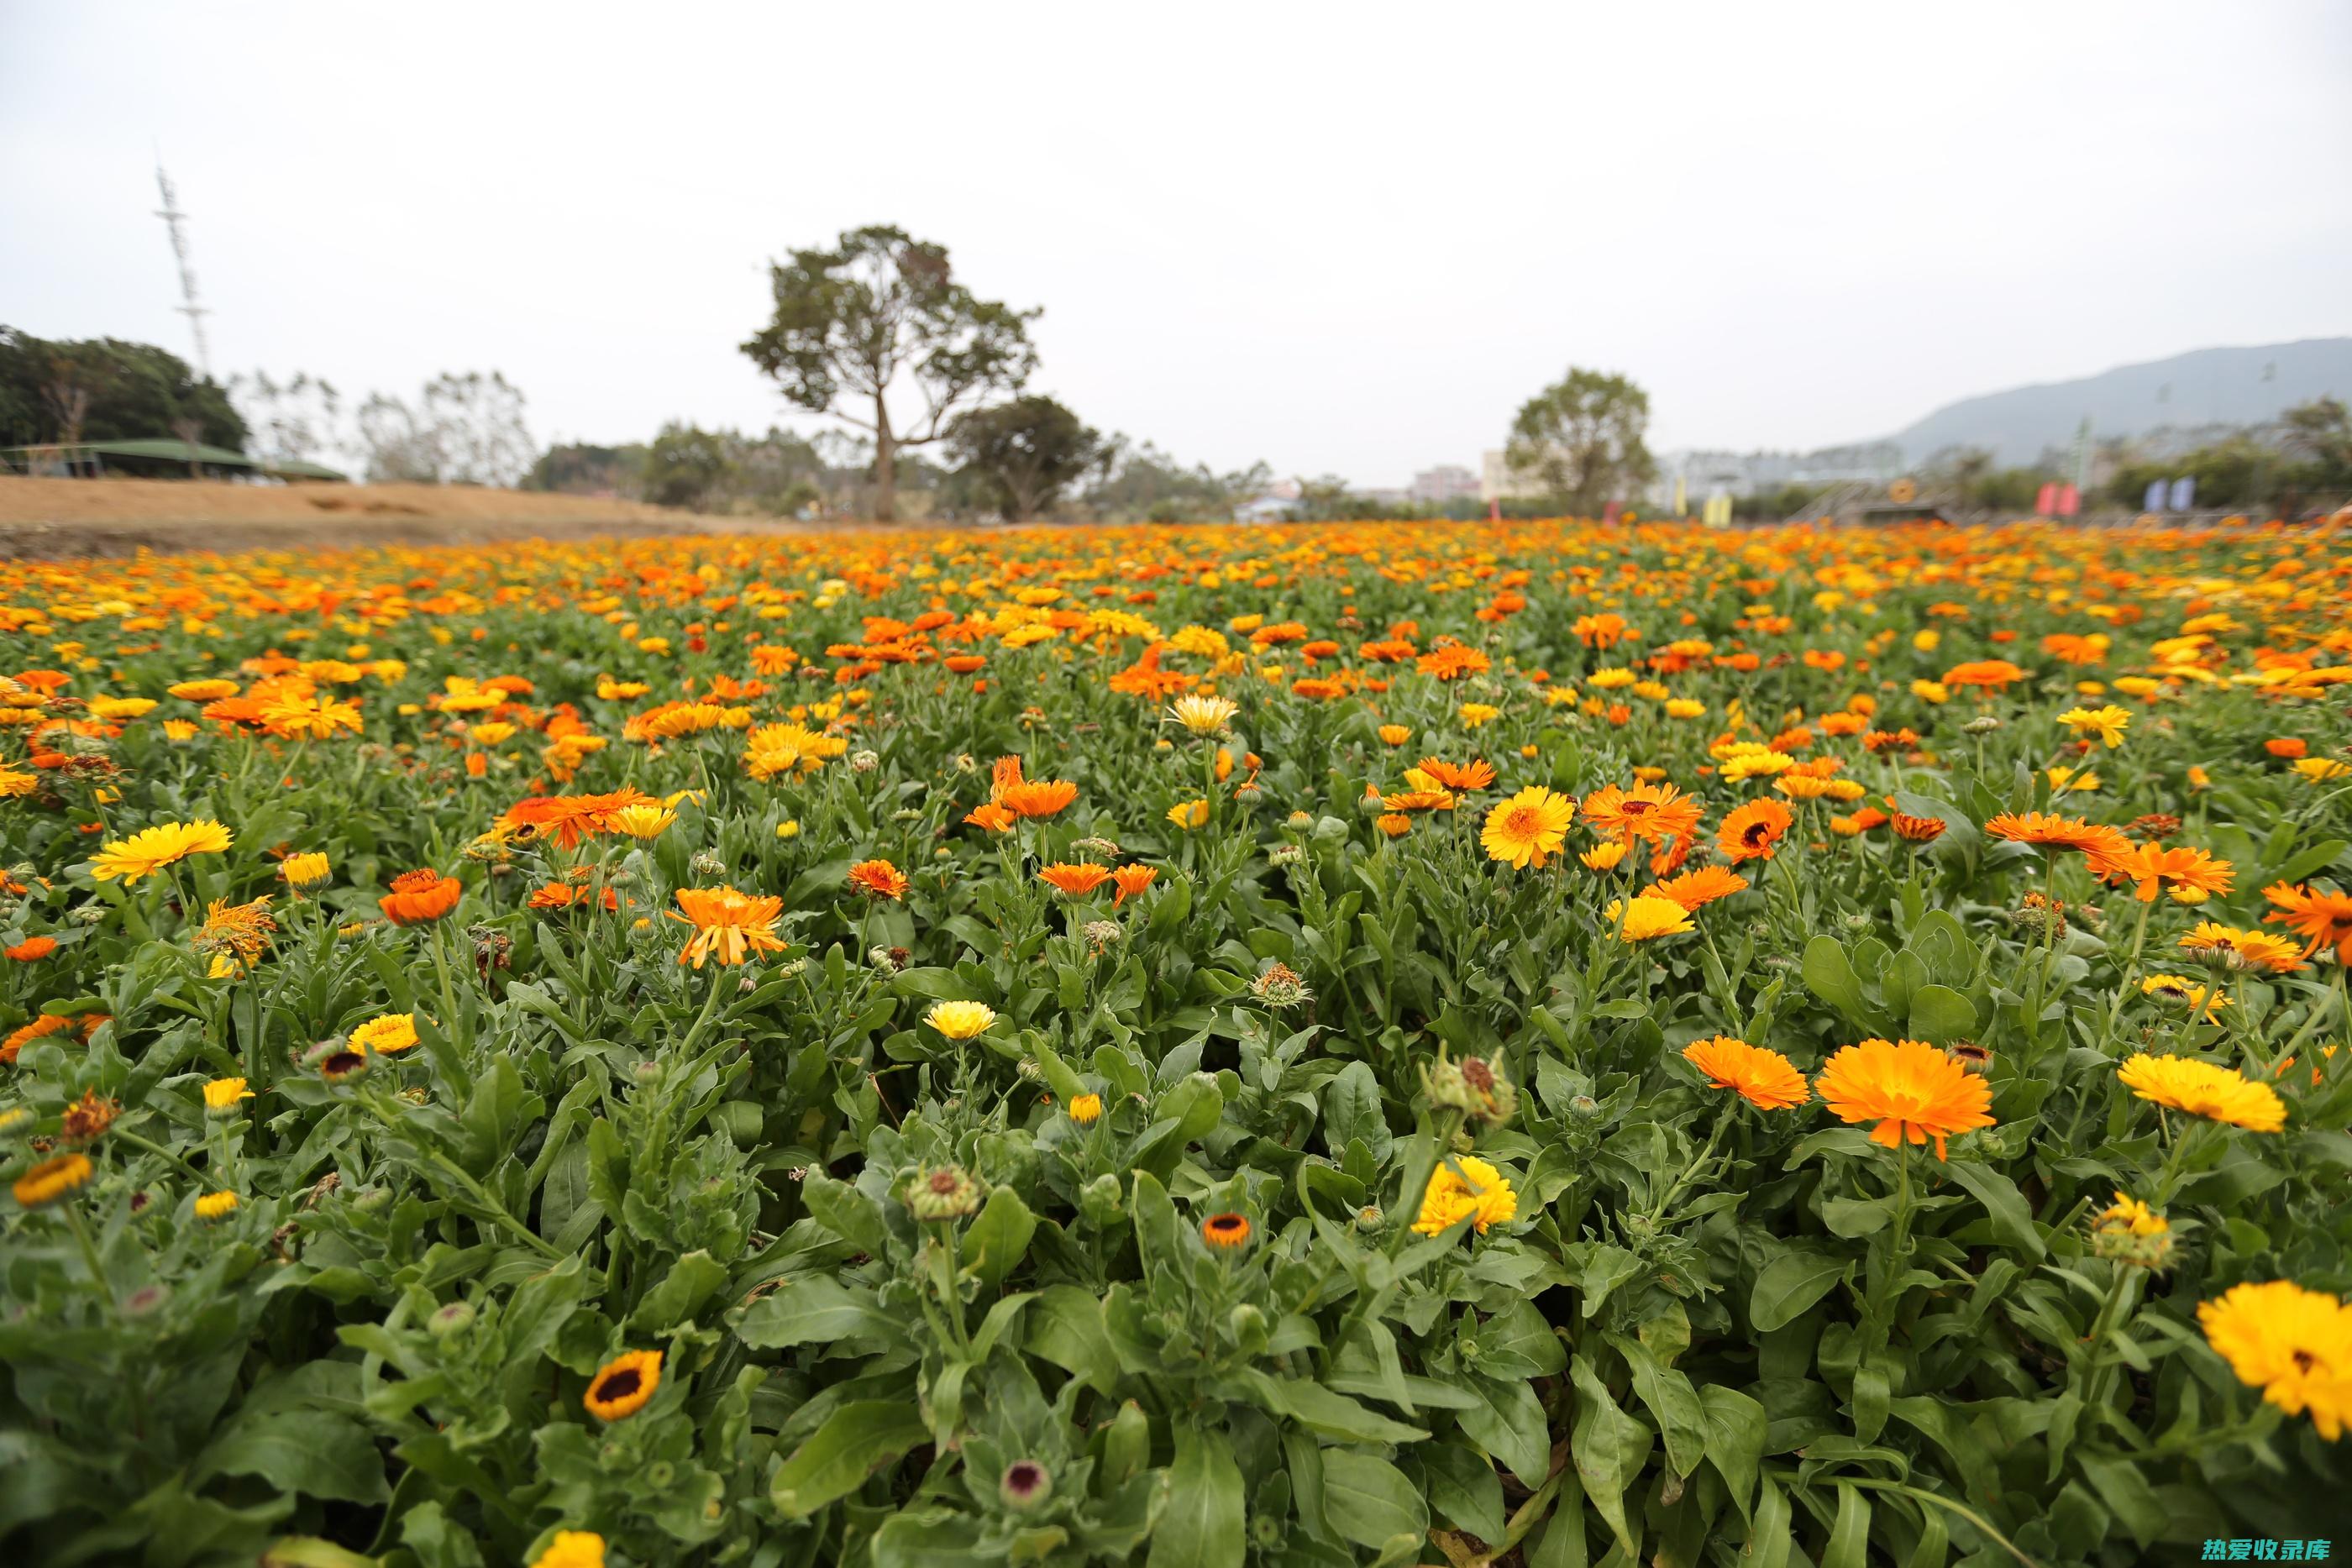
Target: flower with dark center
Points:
(622, 1386)
(1225, 1231)
(1026, 1484)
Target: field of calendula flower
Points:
(1539, 1044)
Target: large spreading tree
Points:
(1581, 439)
(876, 310)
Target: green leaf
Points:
(1065, 1328)
(1517, 1342)
(691, 1281)
(311, 1552)
(1673, 1404)
(1507, 1421)
(856, 1440)
(809, 1309)
(1351, 1110)
(1463, 1487)
(1940, 1015)
(307, 1451)
(1201, 1525)
(1849, 1543)
(1337, 1417)
(1610, 1448)
(999, 1235)
(936, 1538)
(1829, 976)
(2012, 1219)
(1369, 1501)
(1735, 1440)
(1789, 1286)
(847, 1212)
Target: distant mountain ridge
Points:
(2238, 386)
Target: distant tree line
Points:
(63, 391)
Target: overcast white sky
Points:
(1344, 238)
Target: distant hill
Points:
(2203, 387)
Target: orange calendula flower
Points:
(1652, 812)
(623, 1385)
(1529, 826)
(996, 818)
(420, 897)
(1911, 1089)
(2060, 832)
(878, 879)
(1130, 881)
(2192, 875)
(32, 948)
(1076, 879)
(1041, 798)
(1475, 775)
(1694, 890)
(729, 926)
(1985, 675)
(568, 820)
(2321, 916)
(1765, 1079)
(1917, 830)
(1225, 1231)
(1753, 832)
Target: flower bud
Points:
(450, 1319)
(1102, 1200)
(945, 1192)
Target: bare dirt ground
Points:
(64, 518)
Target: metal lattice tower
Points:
(171, 215)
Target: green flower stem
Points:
(89, 1255)
(2108, 1310)
(1920, 1495)
(1665, 1205)
(2131, 971)
(135, 1141)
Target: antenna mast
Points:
(171, 215)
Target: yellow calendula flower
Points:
(643, 820)
(1647, 917)
(306, 873)
(51, 1180)
(2294, 1344)
(1465, 1185)
(222, 1094)
(1201, 714)
(387, 1035)
(573, 1549)
(1190, 814)
(960, 1021)
(2204, 1089)
(1524, 830)
(150, 850)
(1086, 1109)
(2107, 722)
(217, 1206)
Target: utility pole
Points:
(171, 215)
